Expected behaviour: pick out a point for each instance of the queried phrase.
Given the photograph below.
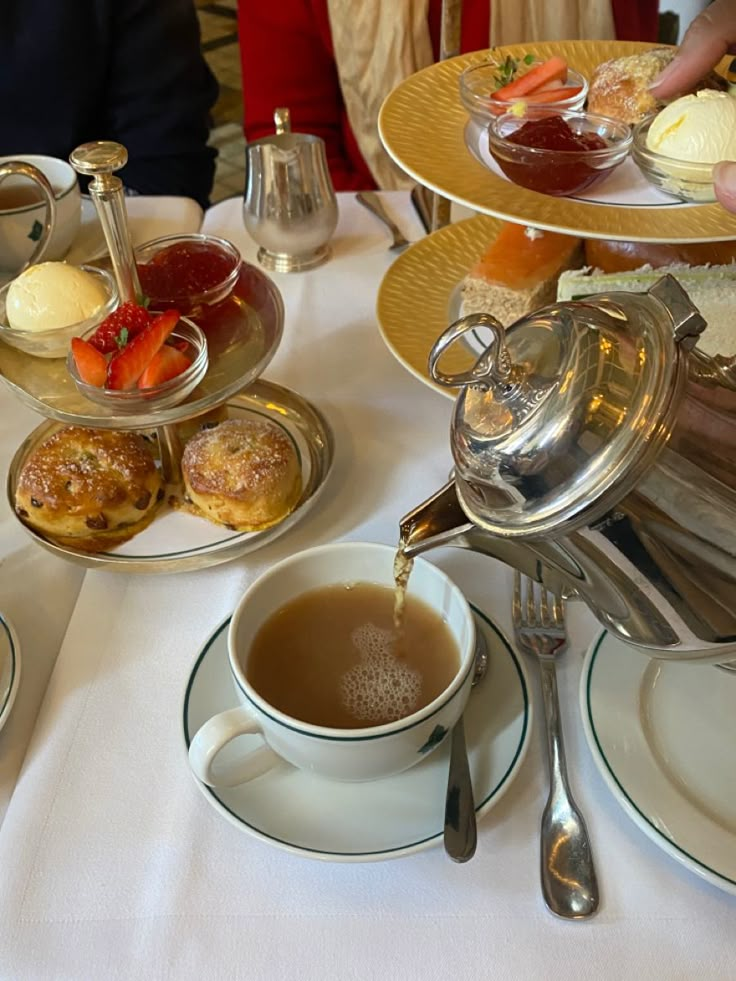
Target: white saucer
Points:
(9, 668)
(367, 822)
(663, 736)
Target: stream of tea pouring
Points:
(460, 830)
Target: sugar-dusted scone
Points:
(243, 473)
(518, 272)
(89, 489)
(619, 88)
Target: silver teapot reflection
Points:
(595, 450)
(289, 209)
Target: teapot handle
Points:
(493, 367)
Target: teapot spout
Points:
(435, 522)
(440, 521)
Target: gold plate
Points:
(422, 125)
(177, 541)
(418, 297)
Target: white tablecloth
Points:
(115, 866)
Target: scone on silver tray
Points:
(89, 489)
(243, 473)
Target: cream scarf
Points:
(378, 43)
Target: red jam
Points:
(184, 270)
(553, 174)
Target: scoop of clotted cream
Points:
(699, 128)
(51, 295)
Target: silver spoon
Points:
(371, 201)
(461, 835)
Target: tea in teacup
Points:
(23, 212)
(320, 674)
(332, 657)
(12, 197)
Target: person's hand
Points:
(710, 36)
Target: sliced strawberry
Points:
(127, 366)
(165, 364)
(91, 365)
(119, 327)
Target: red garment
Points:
(287, 60)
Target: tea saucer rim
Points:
(493, 796)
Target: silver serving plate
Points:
(177, 541)
(241, 342)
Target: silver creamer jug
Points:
(289, 207)
(595, 450)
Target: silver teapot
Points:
(595, 451)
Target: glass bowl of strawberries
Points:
(137, 361)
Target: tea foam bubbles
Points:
(380, 686)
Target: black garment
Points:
(126, 70)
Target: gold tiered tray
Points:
(420, 295)
(426, 130)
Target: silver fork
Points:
(569, 882)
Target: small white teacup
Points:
(23, 212)
(342, 754)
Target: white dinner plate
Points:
(9, 668)
(366, 822)
(663, 734)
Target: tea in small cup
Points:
(24, 212)
(322, 674)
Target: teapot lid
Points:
(563, 410)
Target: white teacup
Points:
(22, 224)
(342, 754)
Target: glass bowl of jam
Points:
(186, 338)
(688, 180)
(558, 153)
(187, 272)
(479, 82)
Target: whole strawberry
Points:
(118, 327)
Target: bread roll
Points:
(244, 473)
(89, 489)
(612, 257)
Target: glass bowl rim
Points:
(623, 143)
(113, 396)
(105, 310)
